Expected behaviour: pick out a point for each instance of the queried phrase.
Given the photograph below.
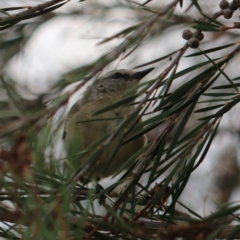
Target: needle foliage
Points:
(181, 107)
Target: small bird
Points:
(82, 129)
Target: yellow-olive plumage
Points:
(82, 129)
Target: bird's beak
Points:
(140, 75)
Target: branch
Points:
(31, 12)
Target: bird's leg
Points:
(99, 188)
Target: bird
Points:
(82, 129)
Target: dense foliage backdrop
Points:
(189, 104)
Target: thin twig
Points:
(34, 9)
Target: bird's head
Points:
(115, 83)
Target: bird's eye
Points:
(101, 88)
(117, 75)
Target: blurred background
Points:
(36, 53)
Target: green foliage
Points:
(41, 199)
